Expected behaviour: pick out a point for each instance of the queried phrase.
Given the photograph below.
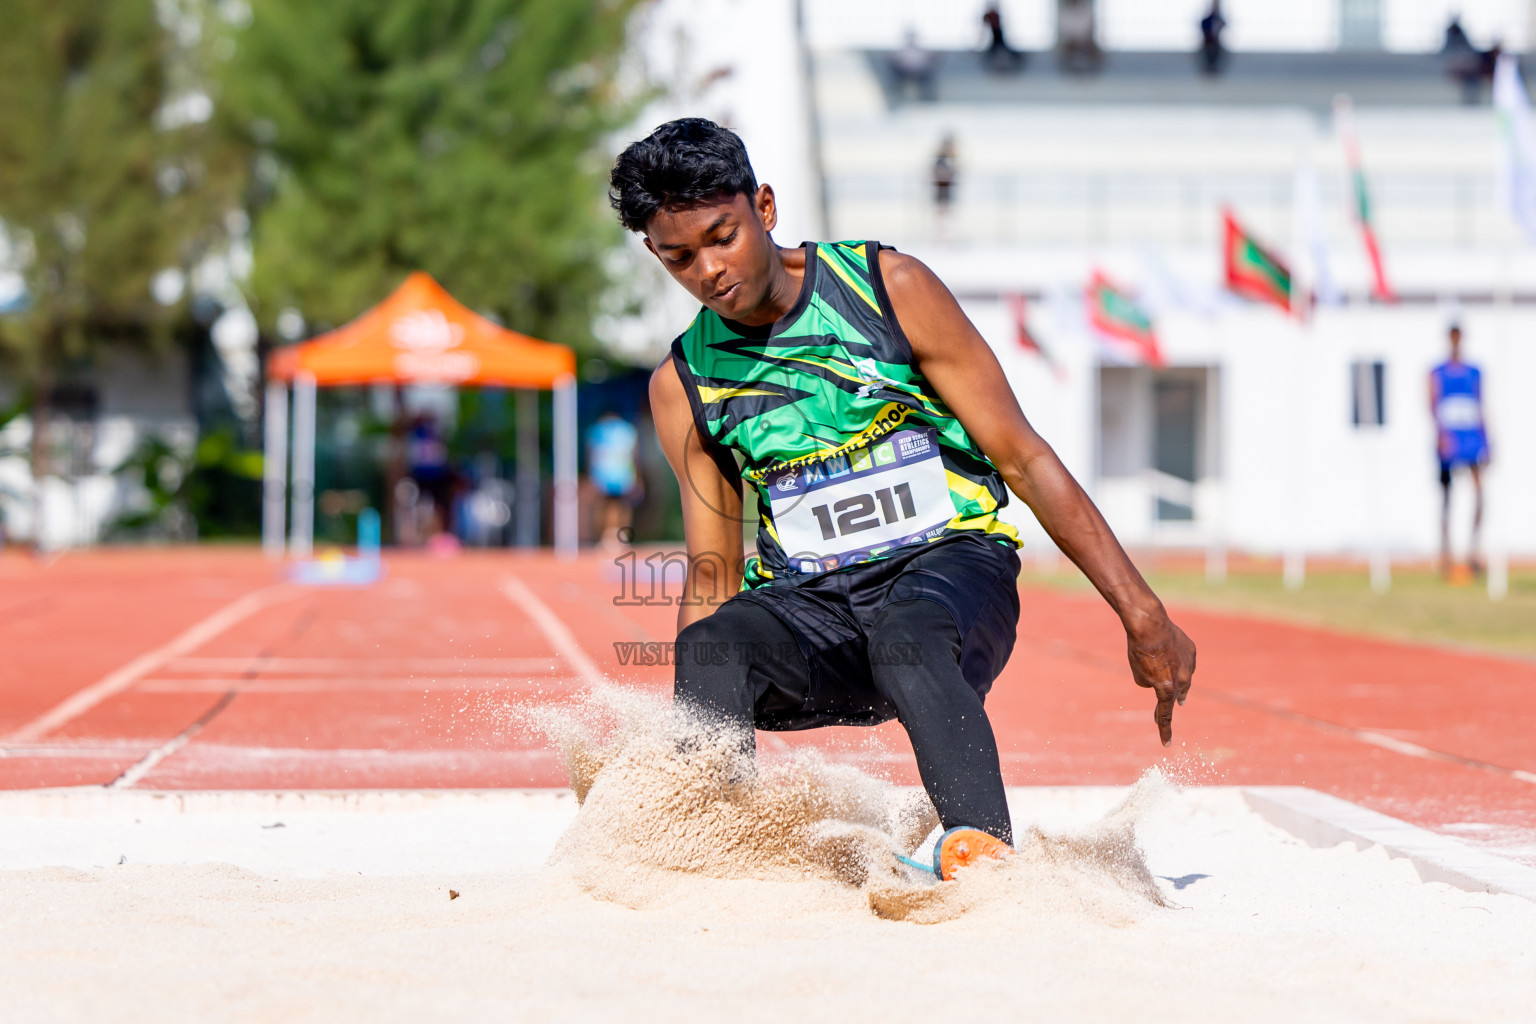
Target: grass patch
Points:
(1420, 606)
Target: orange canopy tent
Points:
(418, 335)
(421, 334)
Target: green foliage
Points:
(8, 412)
(1419, 608)
(11, 411)
(99, 189)
(460, 137)
(214, 492)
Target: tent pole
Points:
(274, 471)
(527, 499)
(565, 466)
(302, 537)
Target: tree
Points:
(109, 175)
(461, 137)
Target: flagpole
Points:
(1304, 198)
(1344, 122)
(1513, 108)
(1498, 553)
(1294, 565)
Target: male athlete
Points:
(878, 432)
(1461, 439)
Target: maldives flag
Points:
(1252, 270)
(1026, 337)
(1117, 318)
(1344, 118)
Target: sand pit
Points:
(271, 923)
(1179, 905)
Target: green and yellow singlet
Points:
(850, 450)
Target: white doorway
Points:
(1157, 469)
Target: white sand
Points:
(1274, 931)
(344, 912)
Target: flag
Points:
(1344, 120)
(1120, 321)
(1517, 178)
(1313, 237)
(1027, 339)
(1253, 271)
(1164, 289)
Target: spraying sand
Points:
(666, 800)
(691, 888)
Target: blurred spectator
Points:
(487, 508)
(427, 456)
(611, 446)
(1076, 48)
(404, 499)
(1212, 54)
(1466, 63)
(914, 67)
(1000, 58)
(1491, 60)
(1461, 438)
(944, 175)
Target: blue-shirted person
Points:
(1456, 402)
(611, 445)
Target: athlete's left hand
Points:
(1163, 660)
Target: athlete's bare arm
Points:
(1442, 443)
(964, 372)
(711, 501)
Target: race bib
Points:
(1459, 412)
(853, 506)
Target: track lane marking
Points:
(146, 764)
(1370, 737)
(277, 666)
(554, 630)
(349, 684)
(121, 679)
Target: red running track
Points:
(199, 669)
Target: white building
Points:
(1247, 438)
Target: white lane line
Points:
(66, 749)
(345, 684)
(147, 763)
(118, 680)
(1396, 745)
(357, 667)
(554, 630)
(1367, 736)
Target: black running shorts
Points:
(972, 578)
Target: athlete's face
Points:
(719, 250)
(1455, 346)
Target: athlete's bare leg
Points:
(1445, 523)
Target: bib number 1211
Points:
(856, 514)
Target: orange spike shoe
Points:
(961, 847)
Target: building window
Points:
(1368, 385)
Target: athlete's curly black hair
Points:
(683, 162)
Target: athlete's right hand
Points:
(1162, 659)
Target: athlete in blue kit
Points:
(1456, 402)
